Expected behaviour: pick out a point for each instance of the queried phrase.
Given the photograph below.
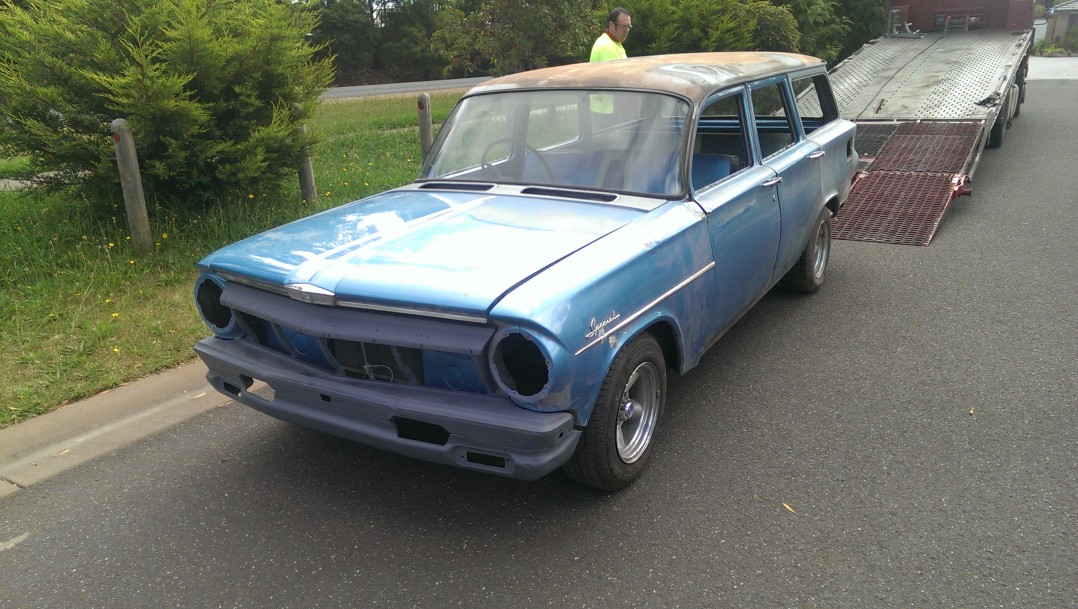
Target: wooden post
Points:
(138, 221)
(307, 188)
(426, 129)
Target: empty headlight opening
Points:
(208, 297)
(520, 365)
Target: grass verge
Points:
(84, 314)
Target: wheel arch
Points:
(833, 204)
(663, 332)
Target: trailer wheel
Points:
(1003, 121)
(995, 138)
(807, 274)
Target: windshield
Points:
(625, 141)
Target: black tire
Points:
(999, 128)
(617, 442)
(995, 137)
(807, 274)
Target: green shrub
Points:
(1048, 48)
(1070, 43)
(212, 90)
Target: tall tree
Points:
(689, 26)
(505, 36)
(406, 28)
(692, 26)
(776, 29)
(347, 32)
(822, 27)
(866, 21)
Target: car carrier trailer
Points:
(928, 96)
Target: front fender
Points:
(585, 307)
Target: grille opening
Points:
(487, 460)
(325, 398)
(379, 362)
(264, 333)
(410, 429)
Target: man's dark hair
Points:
(614, 14)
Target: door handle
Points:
(772, 181)
(817, 154)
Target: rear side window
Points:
(774, 121)
(815, 102)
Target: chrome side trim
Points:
(647, 307)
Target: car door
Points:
(793, 158)
(739, 196)
(816, 107)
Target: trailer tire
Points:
(995, 137)
(1003, 119)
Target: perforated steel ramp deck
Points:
(929, 147)
(909, 185)
(871, 137)
(899, 207)
(938, 76)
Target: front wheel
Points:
(807, 275)
(617, 442)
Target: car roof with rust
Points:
(693, 75)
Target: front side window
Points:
(631, 142)
(721, 148)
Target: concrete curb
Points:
(45, 446)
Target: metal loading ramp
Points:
(916, 170)
(899, 207)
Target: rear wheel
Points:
(999, 128)
(808, 274)
(995, 137)
(617, 442)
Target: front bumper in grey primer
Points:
(467, 430)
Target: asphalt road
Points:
(916, 416)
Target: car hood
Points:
(438, 250)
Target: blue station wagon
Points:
(576, 233)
